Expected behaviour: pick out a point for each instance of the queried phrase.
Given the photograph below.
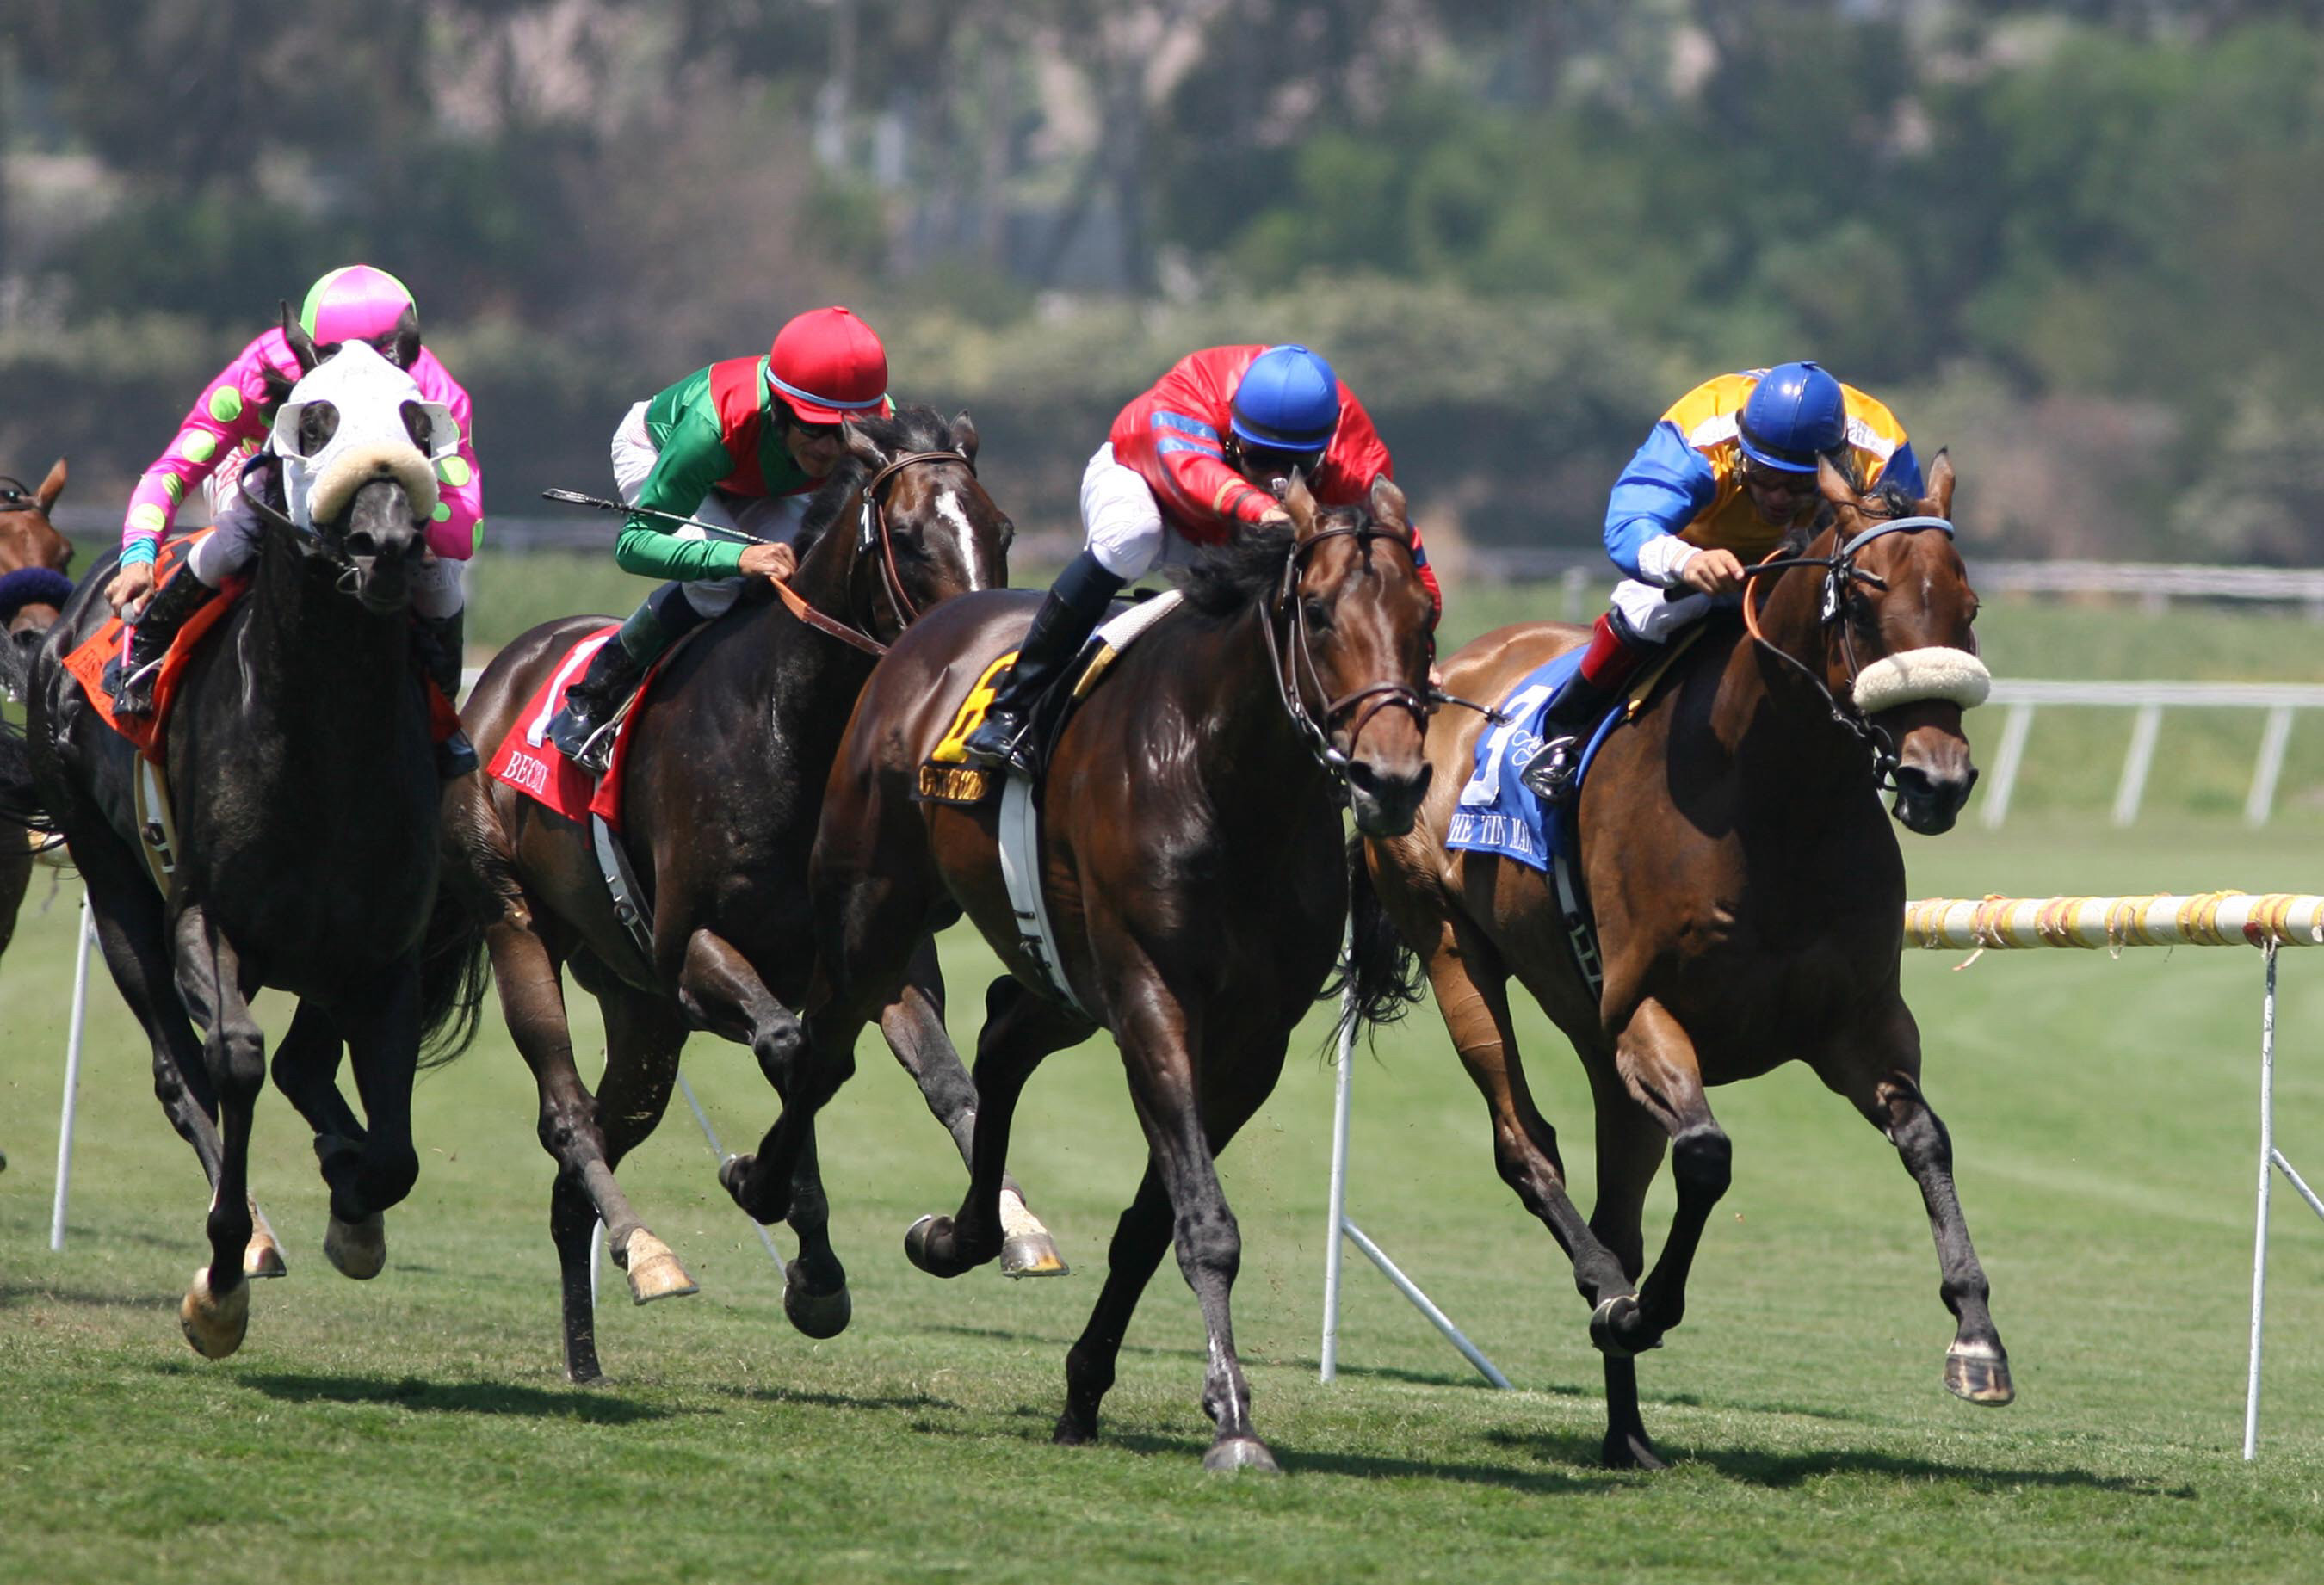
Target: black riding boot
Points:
(619, 664)
(438, 645)
(172, 604)
(1572, 712)
(1075, 604)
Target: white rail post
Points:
(2144, 729)
(2266, 1180)
(72, 1080)
(719, 1151)
(1339, 1191)
(2269, 766)
(2006, 760)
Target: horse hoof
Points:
(916, 1243)
(1032, 1255)
(1241, 1453)
(654, 1271)
(358, 1249)
(1618, 1328)
(1625, 1451)
(731, 1173)
(1979, 1373)
(815, 1315)
(263, 1256)
(214, 1325)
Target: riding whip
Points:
(575, 498)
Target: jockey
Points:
(1197, 456)
(742, 444)
(1726, 473)
(228, 425)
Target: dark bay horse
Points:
(1750, 896)
(1195, 869)
(306, 804)
(34, 587)
(723, 783)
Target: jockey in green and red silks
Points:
(1188, 464)
(1722, 477)
(227, 426)
(743, 446)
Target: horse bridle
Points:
(1840, 574)
(1382, 696)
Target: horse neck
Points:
(826, 578)
(1248, 738)
(305, 641)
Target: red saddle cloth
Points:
(90, 658)
(528, 761)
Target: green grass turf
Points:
(419, 1426)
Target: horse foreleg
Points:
(782, 1181)
(134, 942)
(382, 1024)
(1020, 1028)
(1140, 1237)
(1977, 1366)
(216, 1313)
(914, 1026)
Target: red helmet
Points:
(826, 363)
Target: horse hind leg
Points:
(644, 1036)
(914, 1026)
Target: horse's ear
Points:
(303, 345)
(1388, 504)
(963, 434)
(1301, 504)
(403, 351)
(51, 487)
(861, 445)
(1833, 486)
(1940, 499)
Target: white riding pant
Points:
(766, 517)
(1655, 618)
(1123, 523)
(231, 546)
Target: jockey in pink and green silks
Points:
(228, 425)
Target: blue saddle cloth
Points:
(1496, 814)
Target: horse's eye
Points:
(1315, 612)
(317, 422)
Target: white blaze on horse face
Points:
(371, 440)
(948, 508)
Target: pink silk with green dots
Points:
(224, 428)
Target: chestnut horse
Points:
(724, 777)
(1193, 866)
(1750, 899)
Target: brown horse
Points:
(34, 587)
(723, 783)
(1750, 899)
(1193, 866)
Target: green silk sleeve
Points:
(690, 462)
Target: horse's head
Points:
(1358, 629)
(33, 556)
(1899, 643)
(925, 530)
(357, 445)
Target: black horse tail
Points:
(454, 972)
(1380, 974)
(20, 806)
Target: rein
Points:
(874, 529)
(1840, 573)
(1383, 695)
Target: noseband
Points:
(1381, 696)
(1840, 574)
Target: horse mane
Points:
(1891, 501)
(916, 427)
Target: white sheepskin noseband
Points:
(1934, 673)
(370, 443)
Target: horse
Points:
(302, 704)
(723, 778)
(34, 563)
(1749, 902)
(1195, 869)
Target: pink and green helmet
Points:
(356, 302)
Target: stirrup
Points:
(134, 695)
(1549, 774)
(1016, 754)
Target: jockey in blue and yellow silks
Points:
(1726, 473)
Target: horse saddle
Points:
(95, 661)
(947, 777)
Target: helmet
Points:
(1288, 400)
(1796, 414)
(357, 303)
(827, 364)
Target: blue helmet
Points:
(1796, 415)
(1288, 400)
